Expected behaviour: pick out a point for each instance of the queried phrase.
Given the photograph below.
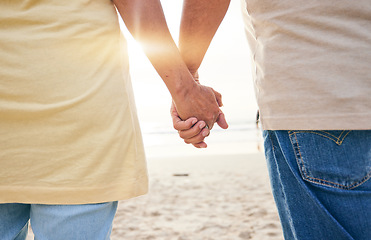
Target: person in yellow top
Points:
(70, 143)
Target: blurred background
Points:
(226, 68)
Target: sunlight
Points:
(226, 68)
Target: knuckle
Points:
(210, 116)
(199, 138)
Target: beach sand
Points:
(202, 197)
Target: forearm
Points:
(199, 23)
(146, 22)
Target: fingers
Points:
(193, 131)
(181, 125)
(221, 121)
(223, 124)
(218, 98)
(178, 123)
(199, 138)
(200, 145)
(196, 135)
(210, 124)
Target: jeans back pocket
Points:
(339, 159)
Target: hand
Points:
(198, 101)
(194, 132)
(221, 118)
(218, 96)
(191, 130)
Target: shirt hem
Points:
(70, 196)
(354, 122)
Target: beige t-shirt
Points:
(312, 62)
(69, 133)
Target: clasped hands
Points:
(195, 116)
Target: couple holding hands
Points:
(71, 146)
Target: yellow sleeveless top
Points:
(69, 133)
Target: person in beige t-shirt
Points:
(312, 78)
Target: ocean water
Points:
(226, 68)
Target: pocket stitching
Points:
(300, 162)
(338, 140)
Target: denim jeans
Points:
(57, 222)
(320, 182)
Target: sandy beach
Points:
(202, 197)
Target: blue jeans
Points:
(57, 222)
(320, 182)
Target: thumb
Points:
(221, 120)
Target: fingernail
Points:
(194, 121)
(202, 125)
(205, 133)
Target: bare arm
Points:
(146, 22)
(199, 23)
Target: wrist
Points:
(183, 88)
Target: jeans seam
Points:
(339, 140)
(270, 139)
(300, 162)
(276, 151)
(299, 159)
(337, 185)
(19, 234)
